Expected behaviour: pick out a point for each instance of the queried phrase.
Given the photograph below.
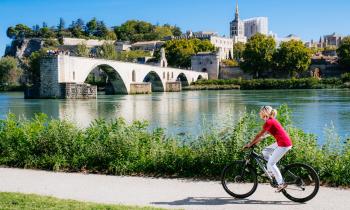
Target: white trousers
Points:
(273, 154)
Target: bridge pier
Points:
(141, 88)
(173, 86)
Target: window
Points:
(168, 76)
(133, 76)
(163, 75)
(73, 75)
(172, 74)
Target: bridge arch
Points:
(156, 81)
(115, 84)
(183, 79)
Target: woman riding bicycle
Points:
(276, 151)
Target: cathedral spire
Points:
(237, 11)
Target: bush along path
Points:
(117, 148)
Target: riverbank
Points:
(118, 148)
(265, 84)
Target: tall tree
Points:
(292, 58)
(344, 52)
(9, 71)
(257, 56)
(62, 25)
(91, 27)
(238, 49)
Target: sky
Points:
(308, 19)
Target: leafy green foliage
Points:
(344, 52)
(9, 71)
(305, 83)
(107, 51)
(292, 58)
(82, 50)
(118, 148)
(131, 56)
(179, 52)
(230, 63)
(238, 49)
(257, 56)
(134, 31)
(345, 77)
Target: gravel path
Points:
(166, 193)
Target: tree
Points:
(91, 27)
(82, 50)
(292, 58)
(238, 49)
(62, 25)
(176, 31)
(46, 32)
(19, 31)
(133, 30)
(107, 51)
(257, 56)
(101, 30)
(179, 52)
(77, 28)
(344, 52)
(9, 71)
(11, 32)
(33, 71)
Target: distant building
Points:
(208, 62)
(150, 46)
(256, 25)
(237, 28)
(123, 46)
(286, 39)
(241, 30)
(224, 45)
(332, 40)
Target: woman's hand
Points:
(248, 146)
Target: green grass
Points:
(13, 201)
(117, 148)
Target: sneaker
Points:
(281, 187)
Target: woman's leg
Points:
(267, 151)
(273, 160)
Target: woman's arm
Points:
(258, 138)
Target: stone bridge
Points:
(61, 74)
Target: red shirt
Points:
(276, 130)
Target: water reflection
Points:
(189, 112)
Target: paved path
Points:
(166, 193)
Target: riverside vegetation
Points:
(256, 84)
(119, 148)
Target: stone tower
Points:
(163, 61)
(237, 25)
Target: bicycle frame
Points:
(261, 162)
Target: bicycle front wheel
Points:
(239, 180)
(303, 182)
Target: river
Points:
(188, 113)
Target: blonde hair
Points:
(268, 111)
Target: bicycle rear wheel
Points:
(239, 180)
(303, 182)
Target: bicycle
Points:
(240, 179)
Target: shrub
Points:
(118, 148)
